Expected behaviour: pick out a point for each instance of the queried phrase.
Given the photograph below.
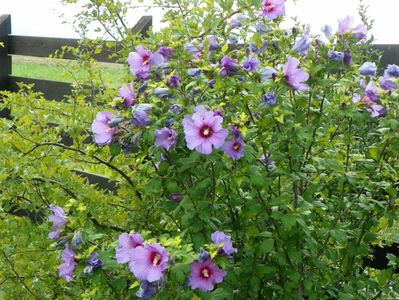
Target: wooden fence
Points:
(43, 47)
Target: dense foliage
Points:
(250, 162)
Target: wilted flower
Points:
(126, 245)
(347, 57)
(262, 28)
(127, 94)
(174, 81)
(234, 148)
(271, 9)
(140, 116)
(224, 241)
(149, 262)
(204, 275)
(147, 290)
(250, 64)
(213, 44)
(295, 76)
(194, 72)
(59, 220)
(229, 66)
(327, 30)
(68, 266)
(93, 262)
(203, 255)
(267, 161)
(371, 91)
(77, 240)
(254, 48)
(302, 45)
(203, 130)
(140, 62)
(165, 138)
(236, 21)
(391, 71)
(103, 133)
(335, 55)
(175, 197)
(368, 68)
(387, 84)
(161, 92)
(269, 98)
(175, 109)
(166, 52)
(267, 73)
(376, 110)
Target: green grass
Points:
(45, 68)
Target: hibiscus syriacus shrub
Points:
(255, 162)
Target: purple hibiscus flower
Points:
(271, 9)
(250, 64)
(128, 95)
(174, 81)
(69, 264)
(165, 138)
(295, 76)
(165, 52)
(376, 110)
(59, 220)
(140, 62)
(204, 275)
(126, 245)
(224, 241)
(229, 66)
(269, 99)
(203, 130)
(368, 68)
(346, 26)
(149, 262)
(103, 133)
(234, 148)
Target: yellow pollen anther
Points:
(236, 146)
(156, 259)
(205, 272)
(206, 131)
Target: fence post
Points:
(143, 25)
(5, 59)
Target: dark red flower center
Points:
(269, 7)
(206, 131)
(146, 59)
(236, 146)
(205, 272)
(156, 259)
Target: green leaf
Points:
(267, 246)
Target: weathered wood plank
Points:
(390, 54)
(5, 58)
(101, 181)
(52, 90)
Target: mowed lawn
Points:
(63, 70)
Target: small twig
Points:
(20, 279)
